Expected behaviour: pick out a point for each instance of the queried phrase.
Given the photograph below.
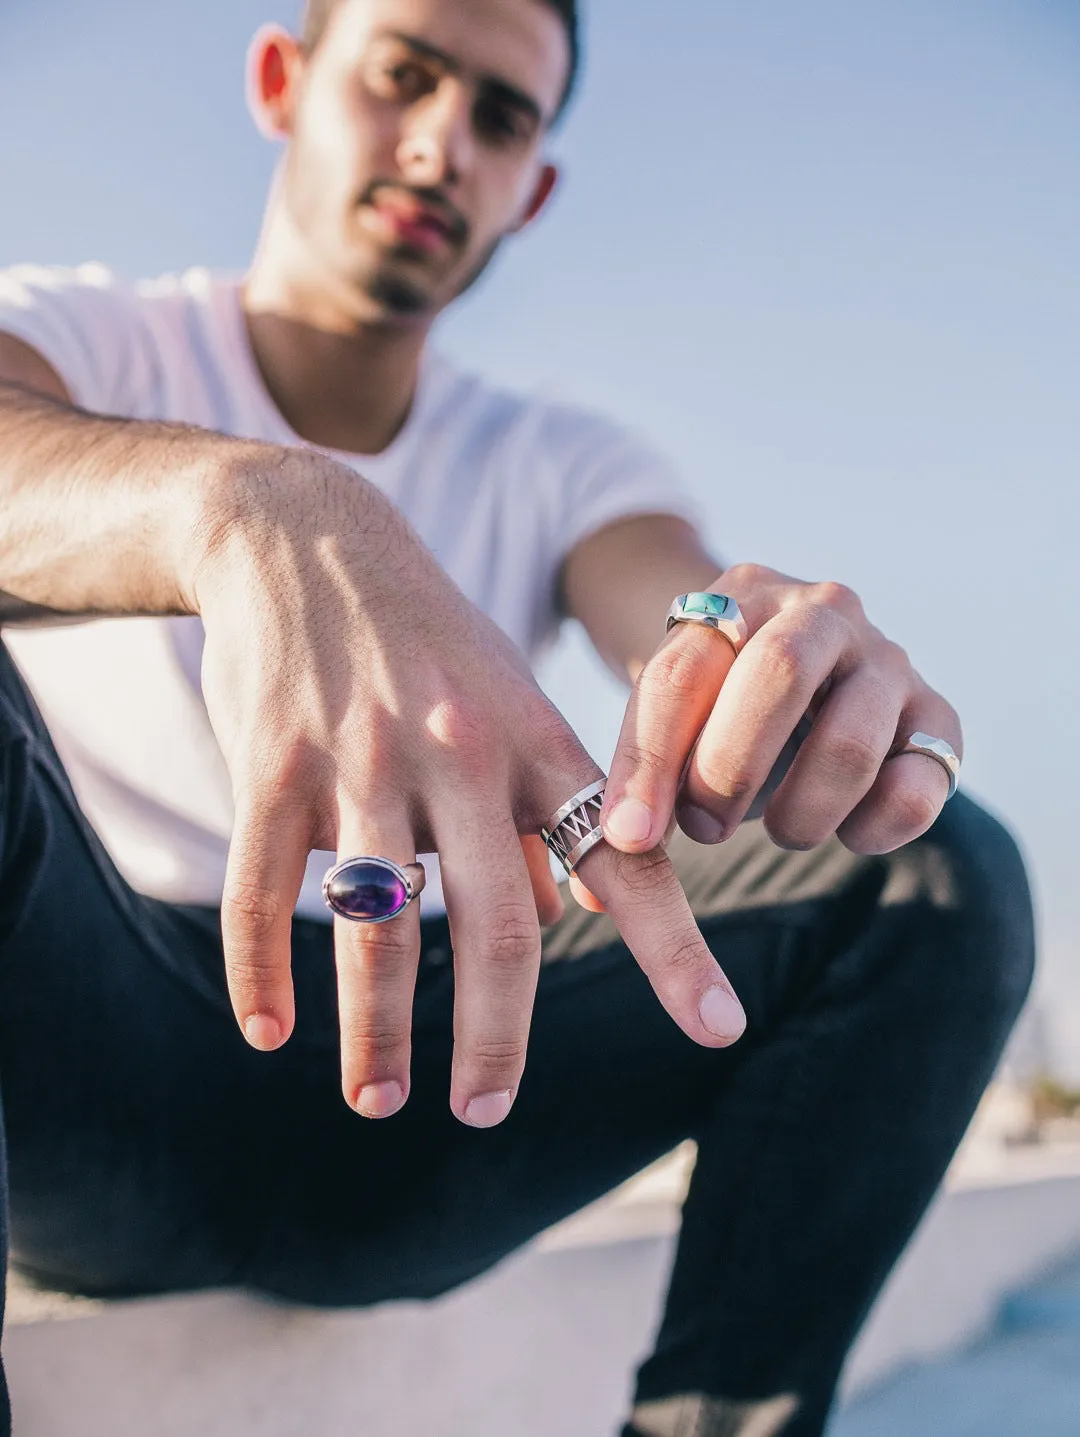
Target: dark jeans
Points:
(149, 1149)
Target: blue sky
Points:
(827, 256)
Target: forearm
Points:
(620, 582)
(99, 516)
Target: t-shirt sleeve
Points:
(81, 322)
(608, 473)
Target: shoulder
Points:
(551, 429)
(93, 293)
(83, 294)
(108, 337)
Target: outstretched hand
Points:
(364, 706)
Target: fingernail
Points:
(380, 1100)
(489, 1110)
(722, 1013)
(699, 825)
(630, 821)
(263, 1032)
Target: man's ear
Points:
(545, 187)
(275, 64)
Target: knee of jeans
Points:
(981, 877)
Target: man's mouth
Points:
(414, 223)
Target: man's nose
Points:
(437, 146)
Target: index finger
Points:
(671, 702)
(643, 895)
(267, 859)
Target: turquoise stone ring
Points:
(715, 611)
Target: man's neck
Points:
(337, 383)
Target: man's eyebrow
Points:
(494, 84)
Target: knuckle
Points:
(681, 958)
(747, 574)
(381, 947)
(639, 757)
(466, 734)
(852, 756)
(641, 875)
(839, 597)
(512, 936)
(294, 769)
(254, 907)
(914, 809)
(893, 657)
(375, 1044)
(783, 658)
(727, 785)
(492, 1054)
(678, 669)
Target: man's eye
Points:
(501, 122)
(407, 79)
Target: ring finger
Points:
(376, 973)
(838, 761)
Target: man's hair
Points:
(317, 15)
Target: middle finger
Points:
(767, 692)
(495, 934)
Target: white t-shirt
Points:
(500, 487)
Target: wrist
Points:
(242, 504)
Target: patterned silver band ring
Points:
(574, 830)
(940, 751)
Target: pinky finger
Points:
(905, 800)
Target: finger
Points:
(766, 694)
(910, 789)
(645, 898)
(496, 942)
(376, 974)
(583, 898)
(549, 903)
(267, 858)
(839, 760)
(671, 701)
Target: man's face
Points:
(416, 142)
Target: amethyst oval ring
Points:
(367, 889)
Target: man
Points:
(315, 553)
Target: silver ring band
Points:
(574, 829)
(940, 751)
(371, 889)
(719, 612)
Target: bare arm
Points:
(619, 584)
(96, 514)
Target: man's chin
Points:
(398, 296)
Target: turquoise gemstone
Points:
(715, 605)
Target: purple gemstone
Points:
(367, 892)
